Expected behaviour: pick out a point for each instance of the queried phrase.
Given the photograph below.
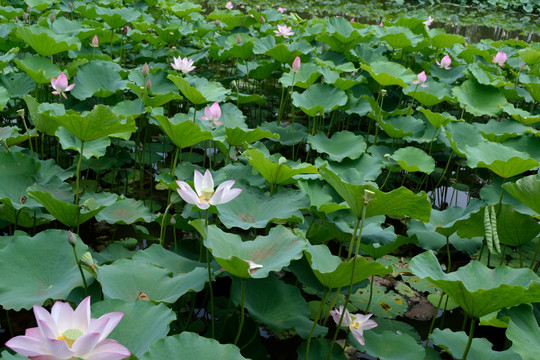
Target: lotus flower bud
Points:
(28, 9)
(70, 5)
(148, 84)
(95, 42)
(262, 19)
(72, 239)
(282, 160)
(217, 21)
(239, 39)
(52, 17)
(297, 63)
(145, 70)
(25, 16)
(173, 221)
(87, 260)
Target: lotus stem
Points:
(370, 295)
(434, 319)
(243, 294)
(163, 221)
(445, 170)
(449, 259)
(80, 270)
(535, 254)
(212, 322)
(78, 174)
(315, 321)
(332, 303)
(9, 324)
(469, 342)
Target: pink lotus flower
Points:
(183, 65)
(445, 62)
(357, 323)
(283, 30)
(212, 114)
(60, 85)
(297, 63)
(229, 5)
(381, 24)
(281, 10)
(95, 42)
(500, 58)
(68, 334)
(428, 22)
(204, 194)
(421, 79)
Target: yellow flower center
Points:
(206, 195)
(355, 325)
(70, 335)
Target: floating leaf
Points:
(384, 303)
(391, 345)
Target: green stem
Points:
(449, 260)
(370, 295)
(9, 323)
(535, 254)
(163, 222)
(243, 294)
(444, 171)
(434, 319)
(469, 342)
(80, 270)
(317, 317)
(78, 174)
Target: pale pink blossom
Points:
(421, 79)
(204, 194)
(381, 24)
(281, 10)
(500, 58)
(183, 65)
(283, 30)
(229, 5)
(445, 62)
(65, 333)
(297, 63)
(95, 42)
(60, 85)
(262, 19)
(212, 114)
(428, 22)
(357, 323)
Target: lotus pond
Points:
(245, 183)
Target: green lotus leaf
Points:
(5, 355)
(384, 304)
(17, 84)
(377, 249)
(98, 78)
(143, 322)
(399, 37)
(343, 144)
(481, 348)
(460, 134)
(523, 331)
(125, 211)
(96, 124)
(10, 135)
(319, 99)
(258, 70)
(437, 119)
(182, 131)
(449, 220)
(520, 115)
(414, 159)
(191, 346)
(398, 203)
(448, 76)
(398, 127)
(240, 137)
(254, 209)
(199, 90)
(339, 35)
(176, 264)
(477, 289)
(275, 173)
(388, 73)
(158, 283)
(485, 76)
(288, 135)
(443, 41)
(499, 131)
(284, 53)
(68, 213)
(41, 267)
(309, 73)
(45, 42)
(9, 12)
(117, 17)
(278, 305)
(333, 273)
(160, 83)
(95, 148)
(532, 84)
(40, 69)
(526, 190)
(391, 345)
(273, 252)
(515, 229)
(4, 97)
(428, 96)
(46, 124)
(479, 99)
(530, 56)
(317, 347)
(502, 160)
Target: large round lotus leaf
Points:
(414, 159)
(390, 345)
(442, 40)
(515, 229)
(199, 90)
(190, 345)
(125, 279)
(69, 214)
(307, 76)
(449, 220)
(532, 84)
(461, 134)
(481, 348)
(484, 75)
(98, 78)
(286, 133)
(319, 99)
(476, 288)
(502, 160)
(96, 124)
(17, 84)
(285, 53)
(45, 42)
(40, 69)
(254, 209)
(526, 190)
(499, 131)
(142, 324)
(479, 99)
(125, 211)
(238, 137)
(437, 119)
(275, 173)
(380, 249)
(523, 331)
(400, 126)
(333, 273)
(95, 148)
(278, 305)
(8, 356)
(388, 73)
(160, 83)
(400, 37)
(182, 131)
(318, 347)
(530, 56)
(397, 203)
(117, 17)
(4, 97)
(428, 96)
(40, 268)
(273, 252)
(384, 304)
(520, 115)
(45, 125)
(343, 144)
(174, 263)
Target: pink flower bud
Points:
(52, 17)
(148, 84)
(297, 63)
(95, 42)
(239, 39)
(145, 70)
